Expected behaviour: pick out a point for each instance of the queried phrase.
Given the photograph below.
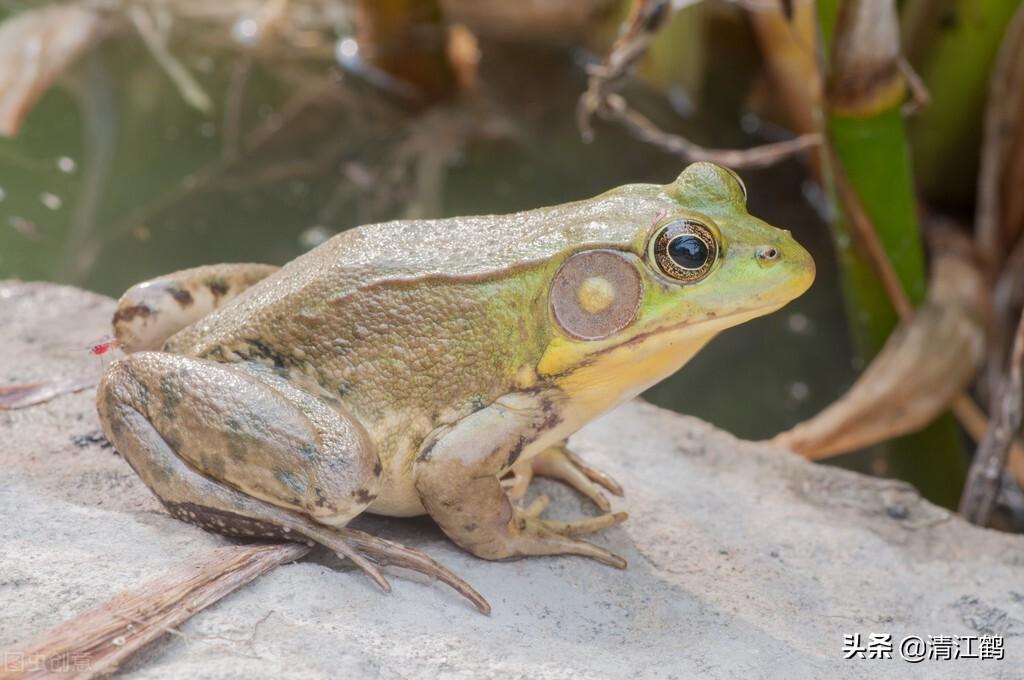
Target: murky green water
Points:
(113, 179)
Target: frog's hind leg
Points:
(241, 452)
(559, 462)
(152, 311)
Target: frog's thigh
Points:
(457, 477)
(152, 311)
(241, 427)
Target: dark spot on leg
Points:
(170, 392)
(218, 286)
(181, 296)
(321, 499)
(377, 468)
(425, 453)
(517, 450)
(216, 353)
(363, 496)
(261, 350)
(294, 482)
(132, 311)
(469, 527)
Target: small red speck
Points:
(104, 347)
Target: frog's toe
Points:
(589, 525)
(536, 506)
(336, 540)
(550, 537)
(517, 483)
(592, 473)
(558, 462)
(385, 552)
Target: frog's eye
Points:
(739, 181)
(684, 250)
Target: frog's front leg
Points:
(457, 477)
(559, 462)
(241, 451)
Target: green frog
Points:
(432, 366)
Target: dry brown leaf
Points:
(928, 361)
(37, 46)
(21, 396)
(95, 642)
(1000, 209)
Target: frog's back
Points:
(399, 254)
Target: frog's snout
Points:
(788, 260)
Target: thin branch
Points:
(920, 97)
(602, 100)
(987, 468)
(156, 42)
(617, 110)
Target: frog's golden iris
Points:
(685, 250)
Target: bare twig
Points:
(616, 109)
(987, 468)
(97, 641)
(920, 97)
(156, 42)
(1007, 301)
(602, 100)
(234, 97)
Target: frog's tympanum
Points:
(432, 366)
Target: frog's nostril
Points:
(767, 255)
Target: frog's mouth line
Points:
(698, 329)
(744, 315)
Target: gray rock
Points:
(745, 561)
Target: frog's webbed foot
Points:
(558, 462)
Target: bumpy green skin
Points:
(403, 367)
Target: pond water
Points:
(114, 179)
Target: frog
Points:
(432, 367)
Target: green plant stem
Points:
(952, 44)
(871, 145)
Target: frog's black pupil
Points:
(688, 252)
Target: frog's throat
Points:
(608, 377)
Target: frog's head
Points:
(626, 317)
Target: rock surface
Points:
(745, 561)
